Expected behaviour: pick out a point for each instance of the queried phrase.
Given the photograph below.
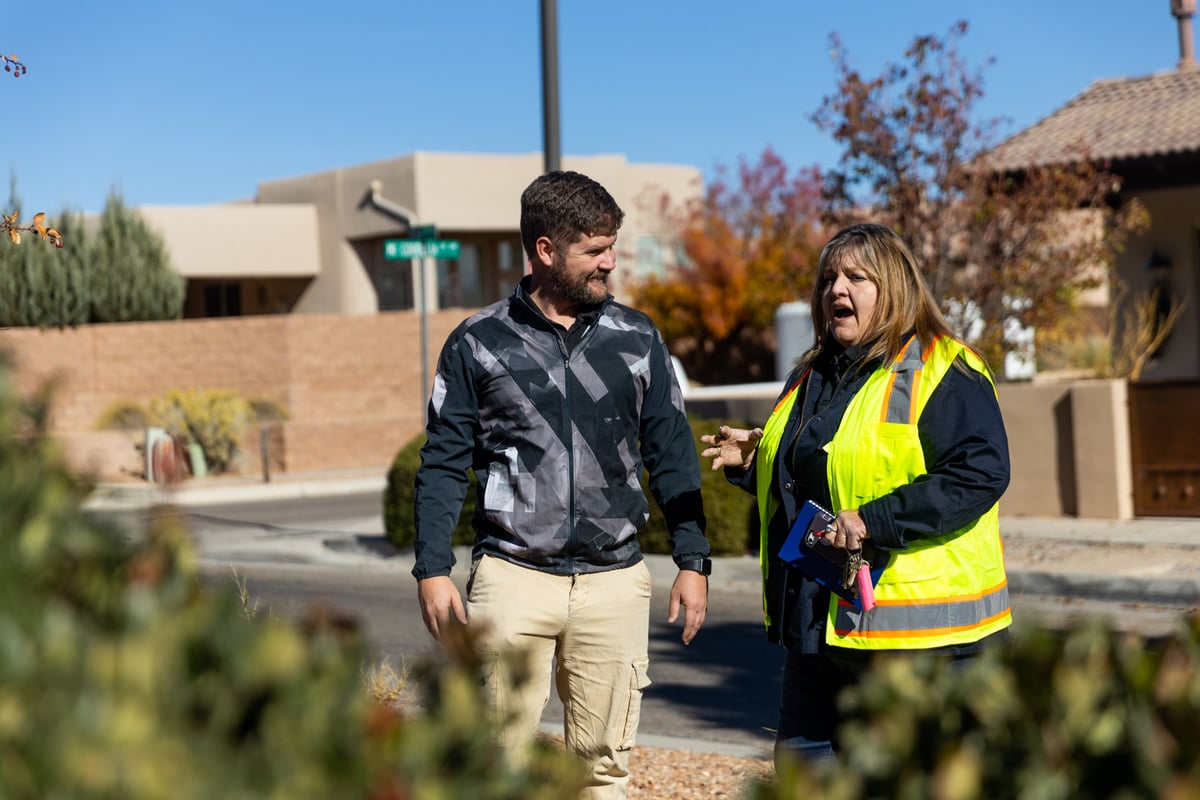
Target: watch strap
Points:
(701, 565)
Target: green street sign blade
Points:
(415, 248)
(403, 248)
(442, 248)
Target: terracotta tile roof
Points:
(1117, 119)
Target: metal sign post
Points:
(425, 249)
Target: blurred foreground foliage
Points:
(728, 509)
(1086, 714)
(122, 675)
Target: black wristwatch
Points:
(701, 565)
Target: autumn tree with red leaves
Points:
(747, 247)
(999, 249)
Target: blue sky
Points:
(179, 102)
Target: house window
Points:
(460, 282)
(506, 255)
(650, 260)
(223, 300)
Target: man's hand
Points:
(731, 447)
(690, 590)
(439, 598)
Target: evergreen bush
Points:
(398, 497)
(131, 275)
(727, 508)
(125, 676)
(42, 286)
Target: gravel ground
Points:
(658, 774)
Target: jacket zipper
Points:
(803, 400)
(569, 433)
(569, 437)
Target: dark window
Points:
(223, 300)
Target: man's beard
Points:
(576, 288)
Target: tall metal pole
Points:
(426, 264)
(550, 140)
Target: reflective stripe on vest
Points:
(941, 590)
(931, 618)
(905, 381)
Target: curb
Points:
(1111, 588)
(121, 497)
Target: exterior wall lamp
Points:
(1159, 268)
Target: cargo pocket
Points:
(639, 679)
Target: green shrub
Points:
(130, 272)
(213, 418)
(1089, 714)
(727, 508)
(398, 499)
(124, 676)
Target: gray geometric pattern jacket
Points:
(557, 442)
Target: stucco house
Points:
(316, 243)
(1146, 129)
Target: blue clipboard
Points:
(805, 550)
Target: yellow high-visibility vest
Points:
(942, 590)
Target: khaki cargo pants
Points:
(592, 631)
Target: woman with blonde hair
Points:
(893, 425)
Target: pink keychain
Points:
(866, 592)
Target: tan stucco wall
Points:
(1038, 421)
(1103, 462)
(238, 240)
(1070, 449)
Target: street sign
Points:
(442, 248)
(423, 232)
(403, 248)
(416, 248)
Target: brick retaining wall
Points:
(352, 384)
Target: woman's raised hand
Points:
(731, 447)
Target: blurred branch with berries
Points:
(13, 64)
(38, 226)
(9, 225)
